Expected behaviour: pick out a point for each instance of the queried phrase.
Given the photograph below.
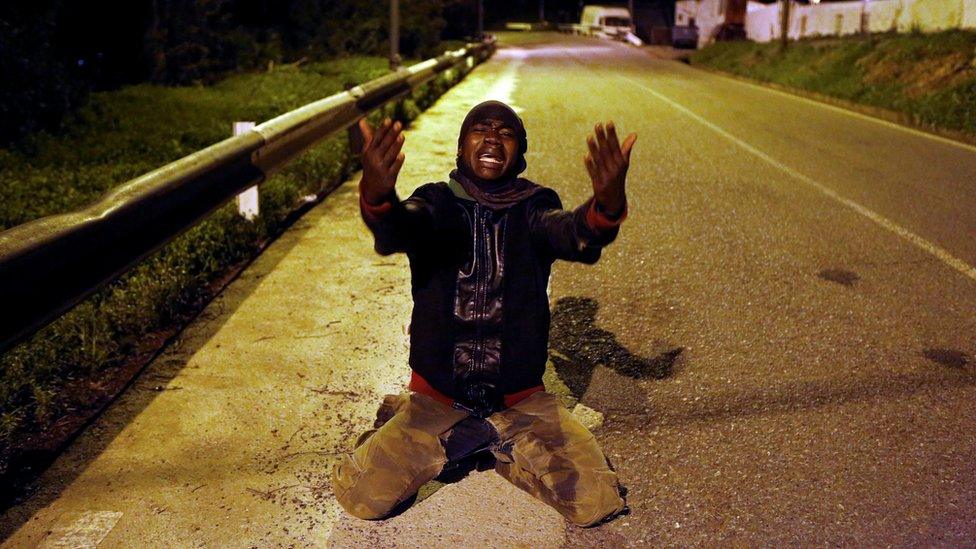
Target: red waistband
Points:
(419, 385)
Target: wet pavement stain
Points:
(947, 357)
(840, 276)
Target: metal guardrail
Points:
(522, 26)
(575, 28)
(50, 264)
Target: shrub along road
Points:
(788, 309)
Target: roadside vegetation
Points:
(96, 93)
(930, 78)
(122, 134)
(54, 53)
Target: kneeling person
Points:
(481, 247)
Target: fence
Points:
(763, 22)
(50, 264)
(844, 18)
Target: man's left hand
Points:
(607, 164)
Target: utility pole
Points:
(785, 32)
(633, 20)
(394, 35)
(481, 19)
(864, 16)
(542, 11)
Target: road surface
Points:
(791, 308)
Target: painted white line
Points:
(940, 253)
(503, 87)
(855, 114)
(87, 530)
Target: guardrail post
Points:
(394, 35)
(481, 20)
(247, 201)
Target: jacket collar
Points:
(458, 190)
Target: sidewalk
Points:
(227, 439)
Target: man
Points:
(481, 248)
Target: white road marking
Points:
(855, 114)
(503, 87)
(87, 531)
(940, 253)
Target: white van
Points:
(611, 20)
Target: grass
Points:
(931, 78)
(125, 133)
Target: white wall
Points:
(883, 15)
(708, 15)
(936, 15)
(683, 11)
(969, 14)
(762, 21)
(835, 18)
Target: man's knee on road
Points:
(386, 469)
(596, 497)
(584, 491)
(356, 493)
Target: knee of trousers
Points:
(597, 496)
(352, 493)
(370, 482)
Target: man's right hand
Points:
(381, 159)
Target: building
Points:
(710, 17)
(763, 22)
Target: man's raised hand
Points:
(381, 158)
(607, 164)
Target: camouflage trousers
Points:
(541, 448)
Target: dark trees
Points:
(52, 52)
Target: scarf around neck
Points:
(499, 194)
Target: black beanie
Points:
(498, 111)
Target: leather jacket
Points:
(480, 322)
(478, 309)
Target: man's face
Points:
(489, 148)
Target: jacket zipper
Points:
(480, 288)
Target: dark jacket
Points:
(480, 323)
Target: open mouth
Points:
(491, 160)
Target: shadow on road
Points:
(578, 346)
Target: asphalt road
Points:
(815, 269)
(789, 308)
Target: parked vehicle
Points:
(684, 36)
(728, 32)
(610, 21)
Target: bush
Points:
(53, 52)
(37, 89)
